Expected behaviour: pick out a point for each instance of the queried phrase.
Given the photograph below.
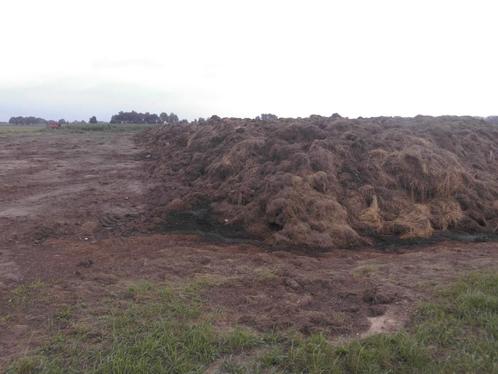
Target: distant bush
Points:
(93, 120)
(267, 117)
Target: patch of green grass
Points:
(377, 354)
(240, 339)
(157, 329)
(458, 333)
(72, 129)
(203, 281)
(27, 365)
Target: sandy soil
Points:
(68, 208)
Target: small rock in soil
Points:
(85, 263)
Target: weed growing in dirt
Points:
(366, 270)
(26, 293)
(64, 314)
(264, 274)
(4, 319)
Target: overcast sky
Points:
(73, 59)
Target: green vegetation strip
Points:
(162, 330)
(101, 127)
(19, 130)
(73, 129)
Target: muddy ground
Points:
(68, 207)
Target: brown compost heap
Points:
(327, 182)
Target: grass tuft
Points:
(27, 293)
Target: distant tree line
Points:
(20, 120)
(149, 118)
(134, 117)
(266, 117)
(30, 120)
(121, 117)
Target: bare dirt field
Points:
(69, 204)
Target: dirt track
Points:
(67, 202)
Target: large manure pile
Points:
(327, 182)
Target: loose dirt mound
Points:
(327, 182)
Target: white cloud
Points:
(80, 57)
